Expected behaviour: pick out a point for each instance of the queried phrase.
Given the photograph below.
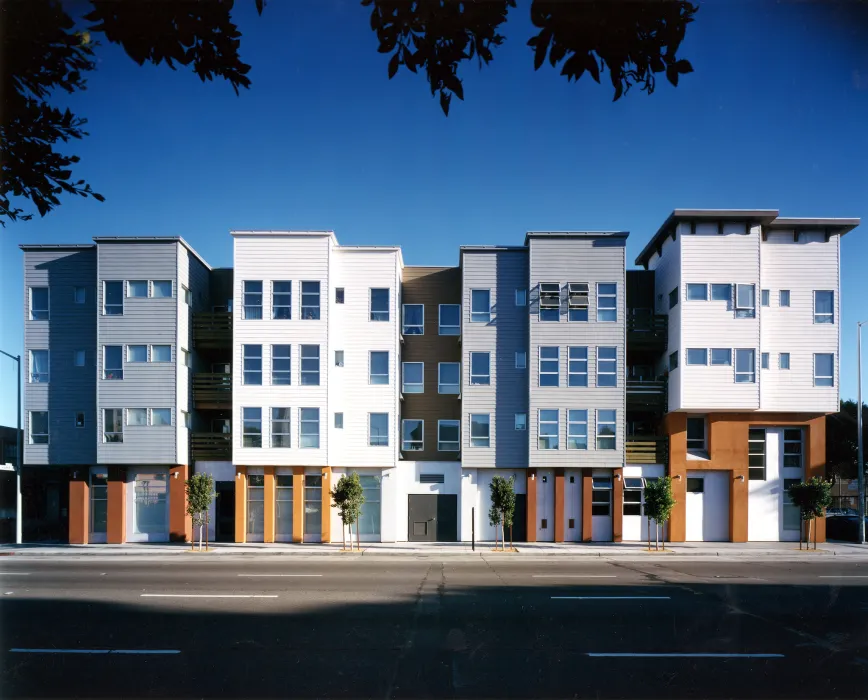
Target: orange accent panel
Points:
(559, 505)
(531, 505)
(618, 505)
(298, 504)
(587, 487)
(738, 505)
(241, 504)
(116, 527)
(270, 496)
(326, 504)
(180, 524)
(816, 465)
(79, 508)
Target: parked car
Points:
(844, 527)
(834, 512)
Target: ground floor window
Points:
(601, 496)
(634, 495)
(756, 454)
(98, 502)
(369, 520)
(283, 510)
(256, 504)
(313, 505)
(792, 516)
(151, 503)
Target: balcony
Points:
(212, 390)
(214, 447)
(647, 331)
(212, 330)
(647, 395)
(647, 449)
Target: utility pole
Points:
(860, 465)
(18, 456)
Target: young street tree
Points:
(502, 509)
(812, 497)
(200, 496)
(659, 503)
(348, 497)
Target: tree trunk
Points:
(358, 537)
(649, 534)
(656, 536)
(343, 535)
(206, 531)
(503, 532)
(511, 547)
(815, 536)
(200, 535)
(810, 527)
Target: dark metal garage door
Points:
(433, 518)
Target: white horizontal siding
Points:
(667, 276)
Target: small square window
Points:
(188, 296)
(697, 292)
(721, 356)
(161, 289)
(161, 353)
(697, 356)
(721, 292)
(137, 353)
(137, 289)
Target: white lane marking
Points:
(201, 595)
(574, 576)
(13, 573)
(844, 576)
(687, 656)
(610, 597)
(280, 575)
(95, 651)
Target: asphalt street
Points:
(392, 627)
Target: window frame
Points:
(687, 358)
(285, 432)
(548, 373)
(830, 315)
(75, 423)
(420, 325)
(152, 424)
(716, 287)
(248, 439)
(577, 421)
(46, 435)
(547, 437)
(152, 354)
(83, 358)
(607, 295)
(607, 360)
(800, 454)
(765, 297)
(105, 305)
(698, 444)
(371, 442)
(673, 361)
(447, 423)
(520, 425)
(342, 361)
(152, 287)
(752, 440)
(823, 377)
(137, 346)
(32, 373)
(122, 422)
(600, 422)
(695, 286)
(479, 379)
(480, 314)
(405, 442)
(744, 311)
(75, 290)
(441, 327)
(405, 384)
(378, 315)
(371, 374)
(105, 368)
(479, 438)
(522, 356)
(440, 383)
(309, 311)
(548, 313)
(247, 306)
(339, 419)
(129, 285)
(579, 361)
(135, 411)
(302, 421)
(605, 487)
(285, 375)
(521, 297)
(186, 295)
(340, 295)
(578, 308)
(752, 373)
(781, 362)
(308, 373)
(276, 309)
(765, 360)
(711, 361)
(252, 372)
(781, 298)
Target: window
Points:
(137, 289)
(188, 297)
(578, 301)
(378, 429)
(549, 301)
(113, 362)
(252, 357)
(137, 353)
(79, 358)
(784, 360)
(521, 360)
(785, 297)
(634, 493)
(252, 431)
(281, 360)
(280, 430)
(601, 495)
(480, 368)
(607, 302)
(695, 433)
(137, 416)
(412, 435)
(310, 301)
(450, 319)
(78, 295)
(309, 426)
(79, 419)
(414, 319)
(745, 366)
(606, 420)
(281, 300)
(521, 297)
(113, 299)
(413, 377)
(379, 304)
(697, 356)
(339, 358)
(379, 367)
(480, 305)
(764, 360)
(310, 365)
(792, 448)
(448, 435)
(577, 367)
(824, 369)
(339, 420)
(745, 301)
(721, 292)
(607, 367)
(161, 353)
(756, 454)
(577, 429)
(673, 298)
(792, 514)
(253, 300)
(186, 359)
(547, 439)
(549, 366)
(765, 297)
(113, 425)
(188, 419)
(39, 427)
(824, 307)
(39, 366)
(339, 295)
(695, 484)
(161, 416)
(521, 421)
(448, 378)
(161, 289)
(721, 356)
(697, 292)
(673, 361)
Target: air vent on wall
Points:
(431, 479)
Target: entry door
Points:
(422, 511)
(150, 511)
(312, 508)
(694, 508)
(98, 505)
(255, 508)
(602, 527)
(283, 508)
(225, 526)
(519, 519)
(707, 506)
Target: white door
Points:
(707, 506)
(98, 505)
(602, 528)
(149, 514)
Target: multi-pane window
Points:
(113, 425)
(252, 430)
(413, 377)
(756, 454)
(137, 289)
(113, 298)
(339, 295)
(673, 298)
(824, 369)
(113, 362)
(765, 297)
(721, 292)
(745, 301)
(310, 310)
(39, 427)
(78, 295)
(521, 421)
(480, 430)
(547, 438)
(607, 302)
(450, 319)
(280, 427)
(480, 305)
(764, 360)
(310, 365)
(785, 297)
(161, 416)
(521, 297)
(309, 427)
(549, 365)
(673, 361)
(378, 429)
(606, 429)
(521, 359)
(745, 365)
(577, 367)
(721, 356)
(696, 433)
(793, 448)
(549, 301)
(379, 369)
(607, 367)
(252, 358)
(601, 495)
(697, 292)
(414, 319)
(380, 304)
(448, 435)
(253, 299)
(634, 491)
(412, 435)
(137, 416)
(577, 429)
(39, 366)
(824, 307)
(339, 358)
(281, 360)
(161, 289)
(281, 300)
(448, 378)
(697, 356)
(161, 353)
(480, 368)
(577, 299)
(784, 360)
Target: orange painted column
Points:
(675, 425)
(587, 492)
(270, 495)
(116, 527)
(326, 504)
(560, 529)
(816, 465)
(298, 504)
(738, 498)
(618, 505)
(531, 505)
(79, 507)
(241, 504)
(180, 524)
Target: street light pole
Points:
(860, 467)
(18, 459)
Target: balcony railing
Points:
(647, 449)
(212, 390)
(215, 447)
(212, 329)
(646, 395)
(647, 331)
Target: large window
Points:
(793, 448)
(697, 292)
(745, 301)
(547, 439)
(577, 429)
(113, 425)
(379, 304)
(450, 319)
(480, 430)
(281, 300)
(697, 356)
(252, 430)
(549, 301)
(578, 367)
(310, 365)
(549, 366)
(449, 378)
(578, 293)
(369, 516)
(824, 307)
(309, 427)
(39, 367)
(379, 369)
(480, 305)
(281, 373)
(745, 365)
(412, 435)
(39, 303)
(607, 367)
(378, 429)
(280, 427)
(113, 362)
(480, 368)
(606, 429)
(824, 369)
(414, 319)
(137, 289)
(448, 435)
(601, 495)
(113, 298)
(413, 374)
(252, 356)
(721, 292)
(39, 427)
(696, 433)
(721, 356)
(253, 299)
(607, 302)
(756, 454)
(310, 301)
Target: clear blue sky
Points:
(774, 116)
